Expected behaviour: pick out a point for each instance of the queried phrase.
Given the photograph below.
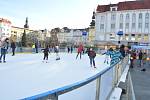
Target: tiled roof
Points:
(128, 5)
(5, 20)
(103, 8)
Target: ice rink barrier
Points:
(97, 87)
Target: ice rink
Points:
(25, 75)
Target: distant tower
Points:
(26, 23)
(26, 26)
(92, 24)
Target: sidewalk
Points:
(141, 81)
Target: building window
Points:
(102, 26)
(134, 17)
(147, 16)
(112, 26)
(113, 17)
(145, 37)
(140, 16)
(121, 26)
(112, 36)
(127, 16)
(127, 37)
(121, 17)
(139, 37)
(140, 25)
(102, 18)
(133, 25)
(133, 37)
(127, 25)
(146, 25)
(113, 9)
(147, 20)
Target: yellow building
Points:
(91, 36)
(17, 32)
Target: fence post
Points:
(50, 97)
(98, 81)
(115, 75)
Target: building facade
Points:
(17, 32)
(91, 35)
(132, 18)
(5, 27)
(73, 36)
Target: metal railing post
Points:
(115, 72)
(53, 97)
(98, 83)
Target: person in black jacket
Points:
(140, 58)
(13, 46)
(71, 49)
(36, 47)
(122, 50)
(92, 55)
(45, 51)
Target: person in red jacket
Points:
(92, 55)
(79, 51)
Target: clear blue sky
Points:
(51, 13)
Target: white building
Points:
(64, 36)
(131, 17)
(5, 28)
(74, 36)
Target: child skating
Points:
(107, 56)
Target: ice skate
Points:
(57, 58)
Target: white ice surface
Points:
(26, 75)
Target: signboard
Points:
(84, 33)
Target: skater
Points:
(92, 55)
(115, 56)
(140, 58)
(132, 58)
(56, 50)
(68, 49)
(122, 50)
(13, 46)
(45, 51)
(4, 47)
(36, 47)
(79, 50)
(71, 49)
(107, 56)
(33, 48)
